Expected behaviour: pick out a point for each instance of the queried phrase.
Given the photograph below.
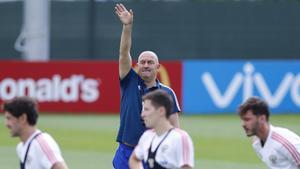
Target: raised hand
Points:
(125, 16)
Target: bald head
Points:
(149, 54)
(148, 66)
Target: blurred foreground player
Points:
(37, 150)
(163, 146)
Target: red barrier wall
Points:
(73, 86)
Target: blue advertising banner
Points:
(220, 86)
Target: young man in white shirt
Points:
(162, 146)
(277, 147)
(37, 150)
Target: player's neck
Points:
(264, 132)
(163, 127)
(27, 132)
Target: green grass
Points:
(88, 141)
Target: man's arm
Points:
(174, 119)
(59, 165)
(126, 18)
(134, 162)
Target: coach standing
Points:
(133, 87)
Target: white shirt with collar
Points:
(43, 152)
(281, 149)
(175, 151)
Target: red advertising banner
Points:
(73, 86)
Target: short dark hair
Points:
(257, 105)
(22, 105)
(160, 98)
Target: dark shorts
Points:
(121, 159)
(122, 156)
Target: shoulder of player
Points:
(279, 132)
(45, 145)
(180, 134)
(45, 135)
(45, 140)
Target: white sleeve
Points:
(297, 151)
(185, 151)
(138, 150)
(19, 151)
(291, 152)
(49, 152)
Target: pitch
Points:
(88, 141)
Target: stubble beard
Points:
(254, 130)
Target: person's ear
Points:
(262, 118)
(162, 111)
(23, 118)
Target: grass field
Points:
(88, 141)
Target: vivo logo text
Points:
(248, 80)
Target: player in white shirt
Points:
(277, 147)
(37, 150)
(163, 146)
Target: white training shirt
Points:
(42, 154)
(281, 149)
(174, 152)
